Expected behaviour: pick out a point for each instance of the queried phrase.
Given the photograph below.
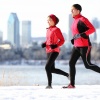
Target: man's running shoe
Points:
(69, 86)
(48, 87)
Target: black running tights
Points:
(50, 67)
(84, 52)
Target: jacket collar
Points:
(77, 16)
(50, 27)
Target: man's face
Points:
(74, 11)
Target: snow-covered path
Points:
(81, 92)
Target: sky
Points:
(38, 10)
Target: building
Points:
(98, 37)
(1, 36)
(26, 33)
(70, 20)
(95, 22)
(13, 30)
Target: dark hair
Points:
(78, 7)
(57, 20)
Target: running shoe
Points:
(48, 87)
(69, 86)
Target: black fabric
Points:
(78, 36)
(76, 53)
(50, 67)
(43, 45)
(82, 28)
(84, 36)
(53, 46)
(72, 41)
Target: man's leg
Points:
(85, 54)
(74, 57)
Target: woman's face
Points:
(74, 11)
(50, 21)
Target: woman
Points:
(54, 39)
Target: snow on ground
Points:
(81, 92)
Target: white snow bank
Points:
(81, 92)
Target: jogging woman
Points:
(54, 39)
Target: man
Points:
(81, 29)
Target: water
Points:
(25, 75)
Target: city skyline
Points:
(37, 11)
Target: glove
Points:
(43, 45)
(84, 36)
(53, 46)
(72, 41)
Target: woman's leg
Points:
(50, 62)
(58, 71)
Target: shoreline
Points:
(42, 62)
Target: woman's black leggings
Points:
(84, 52)
(50, 67)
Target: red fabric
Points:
(53, 17)
(54, 36)
(80, 42)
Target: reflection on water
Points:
(25, 75)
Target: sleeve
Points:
(60, 37)
(89, 25)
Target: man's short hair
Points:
(78, 7)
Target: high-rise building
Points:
(13, 30)
(69, 35)
(26, 33)
(1, 36)
(95, 22)
(69, 27)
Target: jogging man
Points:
(81, 29)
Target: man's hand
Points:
(84, 35)
(72, 41)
